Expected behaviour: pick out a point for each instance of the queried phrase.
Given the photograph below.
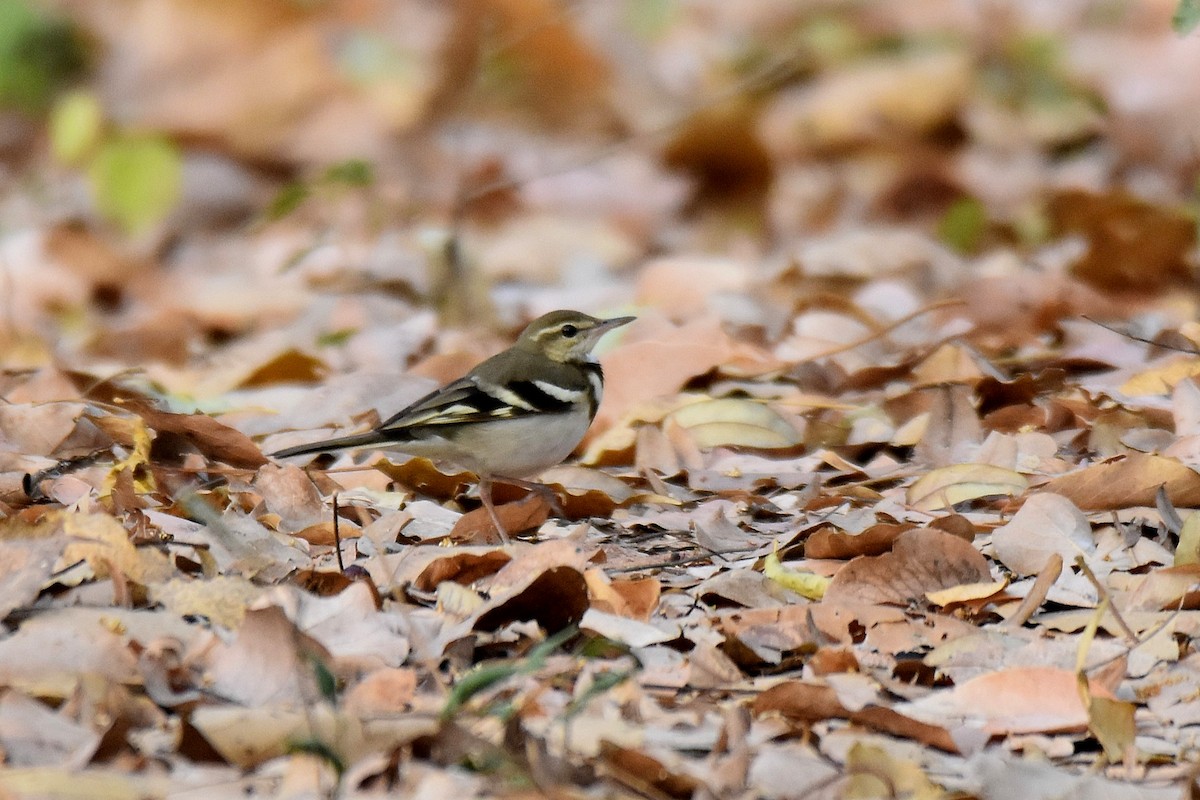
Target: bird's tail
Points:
(341, 443)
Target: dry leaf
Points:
(221, 599)
(1014, 700)
(921, 561)
(734, 422)
(1047, 524)
(808, 704)
(267, 663)
(826, 542)
(25, 565)
(1131, 480)
(544, 583)
(948, 486)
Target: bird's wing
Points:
(475, 399)
(472, 400)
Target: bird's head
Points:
(567, 336)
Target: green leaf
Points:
(601, 683)
(135, 180)
(649, 19)
(354, 172)
(287, 200)
(326, 682)
(1187, 17)
(320, 749)
(75, 126)
(963, 225)
(336, 338)
(484, 676)
(38, 56)
(474, 682)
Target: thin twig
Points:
(1103, 592)
(884, 331)
(1157, 629)
(1192, 351)
(666, 687)
(337, 536)
(677, 560)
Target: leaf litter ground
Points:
(870, 509)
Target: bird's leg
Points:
(485, 495)
(540, 489)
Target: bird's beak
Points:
(607, 325)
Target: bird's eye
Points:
(569, 331)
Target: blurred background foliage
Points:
(183, 114)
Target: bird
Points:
(513, 416)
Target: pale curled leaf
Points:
(945, 487)
(248, 736)
(735, 422)
(1047, 524)
(631, 632)
(966, 592)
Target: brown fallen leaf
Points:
(585, 492)
(39, 428)
(424, 476)
(636, 768)
(389, 690)
(525, 514)
(460, 567)
(641, 595)
(954, 432)
(290, 366)
(1169, 587)
(758, 636)
(808, 703)
(290, 493)
(921, 561)
(635, 598)
(212, 438)
(827, 542)
(1013, 700)
(543, 583)
(1132, 244)
(831, 660)
(1129, 480)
